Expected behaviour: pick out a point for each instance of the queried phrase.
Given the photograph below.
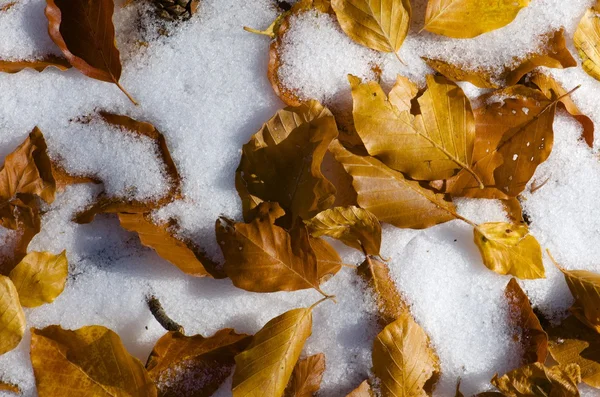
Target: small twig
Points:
(535, 188)
(161, 316)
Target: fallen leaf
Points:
(355, 227)
(509, 249)
(403, 360)
(376, 275)
(402, 93)
(7, 6)
(585, 288)
(513, 209)
(23, 215)
(90, 361)
(266, 366)
(391, 197)
(307, 377)
(9, 387)
(380, 25)
(282, 163)
(38, 64)
(333, 171)
(40, 277)
(194, 366)
(464, 19)
(479, 77)
(328, 260)
(363, 390)
(535, 380)
(63, 178)
(586, 41)
(12, 317)
(84, 32)
(532, 339)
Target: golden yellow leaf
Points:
(378, 24)
(469, 18)
(328, 260)
(586, 41)
(363, 390)
(40, 277)
(391, 197)
(12, 317)
(509, 249)
(266, 366)
(88, 362)
(355, 227)
(478, 77)
(402, 93)
(536, 380)
(403, 359)
(307, 377)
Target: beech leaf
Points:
(40, 277)
(464, 19)
(307, 377)
(38, 64)
(363, 390)
(355, 227)
(586, 41)
(403, 360)
(509, 249)
(12, 317)
(535, 380)
(21, 214)
(194, 366)
(84, 32)
(90, 361)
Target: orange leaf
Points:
(38, 64)
(363, 390)
(307, 377)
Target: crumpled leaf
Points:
(40, 277)
(377, 24)
(12, 317)
(84, 32)
(389, 196)
(536, 380)
(464, 19)
(355, 227)
(263, 257)
(528, 331)
(90, 361)
(282, 163)
(266, 366)
(194, 366)
(307, 377)
(509, 249)
(585, 288)
(38, 64)
(403, 360)
(586, 41)
(363, 390)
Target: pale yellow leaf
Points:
(12, 317)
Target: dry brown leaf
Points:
(528, 330)
(38, 64)
(363, 390)
(478, 77)
(7, 6)
(40, 277)
(513, 209)
(389, 196)
(536, 380)
(403, 360)
(586, 41)
(12, 317)
(355, 227)
(194, 366)
(63, 178)
(345, 195)
(328, 260)
(9, 387)
(84, 32)
(307, 377)
(509, 249)
(90, 361)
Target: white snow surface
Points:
(204, 86)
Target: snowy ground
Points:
(204, 86)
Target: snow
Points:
(203, 85)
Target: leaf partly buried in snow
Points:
(40, 277)
(9, 387)
(12, 317)
(509, 249)
(282, 163)
(266, 366)
(478, 77)
(363, 390)
(389, 195)
(532, 339)
(535, 380)
(378, 24)
(307, 377)
(585, 288)
(90, 361)
(194, 366)
(84, 32)
(586, 40)
(38, 64)
(355, 227)
(403, 359)
(23, 215)
(469, 18)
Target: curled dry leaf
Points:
(377, 24)
(389, 195)
(307, 377)
(12, 317)
(84, 32)
(282, 163)
(40, 277)
(363, 390)
(403, 360)
(23, 215)
(509, 249)
(39, 64)
(90, 361)
(537, 380)
(528, 330)
(355, 227)
(586, 41)
(469, 18)
(194, 366)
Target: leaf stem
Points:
(126, 93)
(328, 297)
(161, 316)
(554, 260)
(399, 59)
